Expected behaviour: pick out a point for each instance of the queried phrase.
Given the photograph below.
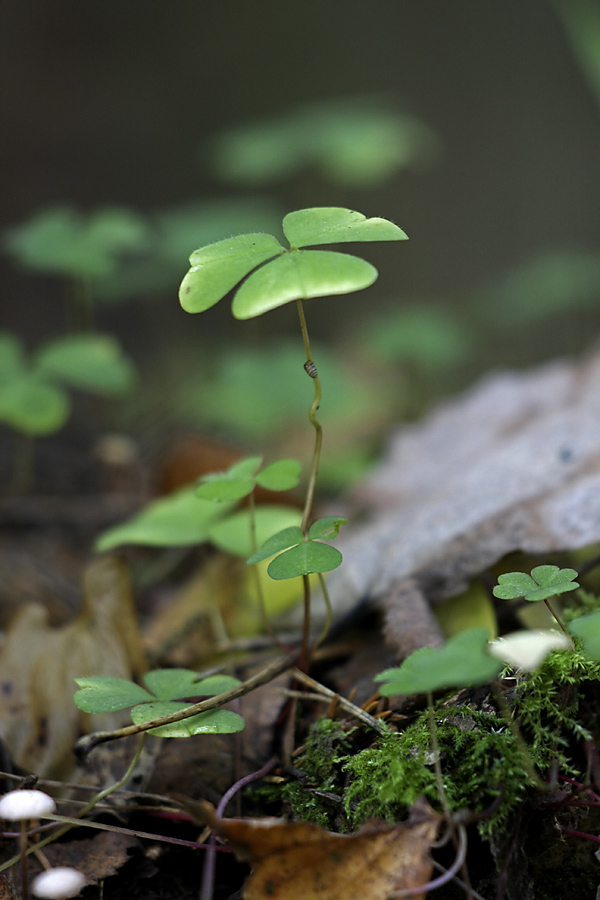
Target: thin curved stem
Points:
(328, 614)
(311, 370)
(208, 873)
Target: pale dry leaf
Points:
(512, 464)
(39, 722)
(299, 861)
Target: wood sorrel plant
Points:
(272, 275)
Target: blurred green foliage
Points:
(359, 143)
(32, 395)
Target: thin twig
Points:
(347, 705)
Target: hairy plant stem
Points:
(312, 415)
(560, 624)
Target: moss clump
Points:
(480, 762)
(548, 707)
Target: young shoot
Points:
(543, 583)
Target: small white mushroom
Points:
(58, 883)
(20, 805)
(24, 807)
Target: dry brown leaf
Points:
(38, 664)
(298, 861)
(513, 464)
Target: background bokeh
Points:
(119, 104)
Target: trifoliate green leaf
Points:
(544, 582)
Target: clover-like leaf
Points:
(301, 555)
(284, 275)
(544, 582)
(61, 241)
(587, 629)
(104, 694)
(285, 538)
(240, 479)
(462, 662)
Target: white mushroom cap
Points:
(58, 883)
(19, 805)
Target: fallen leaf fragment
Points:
(299, 861)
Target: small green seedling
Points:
(164, 688)
(272, 275)
(543, 583)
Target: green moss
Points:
(479, 757)
(547, 705)
(340, 783)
